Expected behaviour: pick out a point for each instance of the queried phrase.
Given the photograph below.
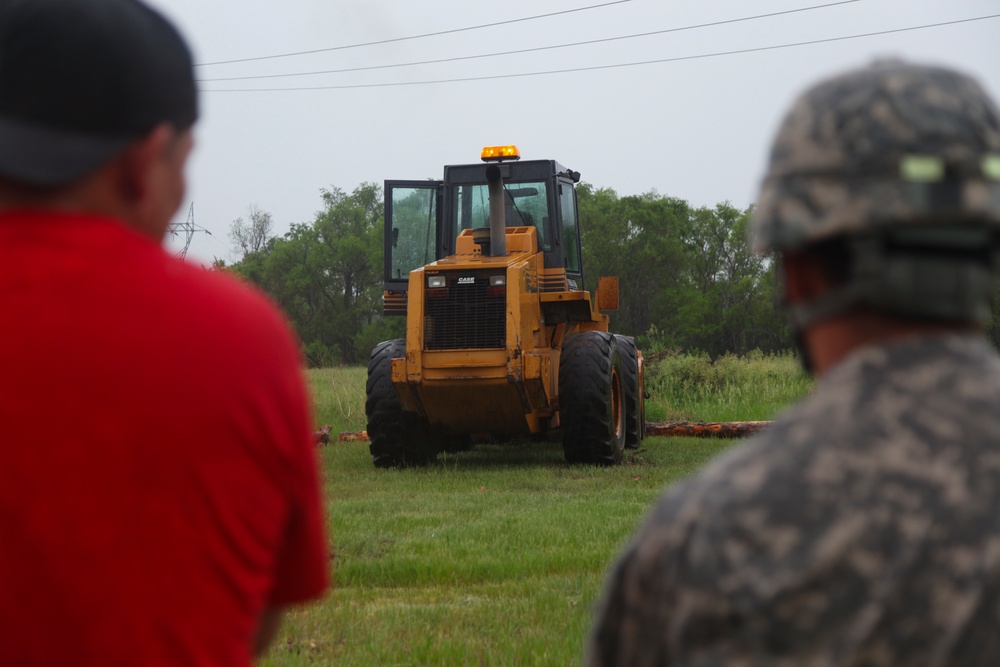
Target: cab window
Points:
(525, 204)
(413, 239)
(570, 229)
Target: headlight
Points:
(498, 281)
(434, 282)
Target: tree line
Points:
(326, 275)
(687, 278)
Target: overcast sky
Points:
(643, 95)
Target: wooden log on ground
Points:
(689, 429)
(322, 436)
(707, 429)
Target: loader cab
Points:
(424, 218)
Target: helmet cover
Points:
(890, 145)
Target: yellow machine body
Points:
(501, 338)
(512, 390)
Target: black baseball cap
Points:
(81, 79)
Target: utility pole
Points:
(188, 228)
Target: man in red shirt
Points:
(159, 501)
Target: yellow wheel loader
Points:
(501, 338)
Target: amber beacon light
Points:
(497, 153)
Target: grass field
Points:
(496, 556)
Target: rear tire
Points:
(396, 438)
(591, 398)
(635, 419)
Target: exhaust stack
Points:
(498, 214)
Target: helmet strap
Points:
(893, 275)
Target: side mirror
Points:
(607, 293)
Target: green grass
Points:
(730, 388)
(339, 397)
(489, 557)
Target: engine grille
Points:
(466, 314)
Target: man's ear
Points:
(140, 162)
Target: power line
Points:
(602, 67)
(534, 49)
(411, 37)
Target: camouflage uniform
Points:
(864, 527)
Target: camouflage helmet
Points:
(887, 145)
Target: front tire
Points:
(396, 438)
(592, 398)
